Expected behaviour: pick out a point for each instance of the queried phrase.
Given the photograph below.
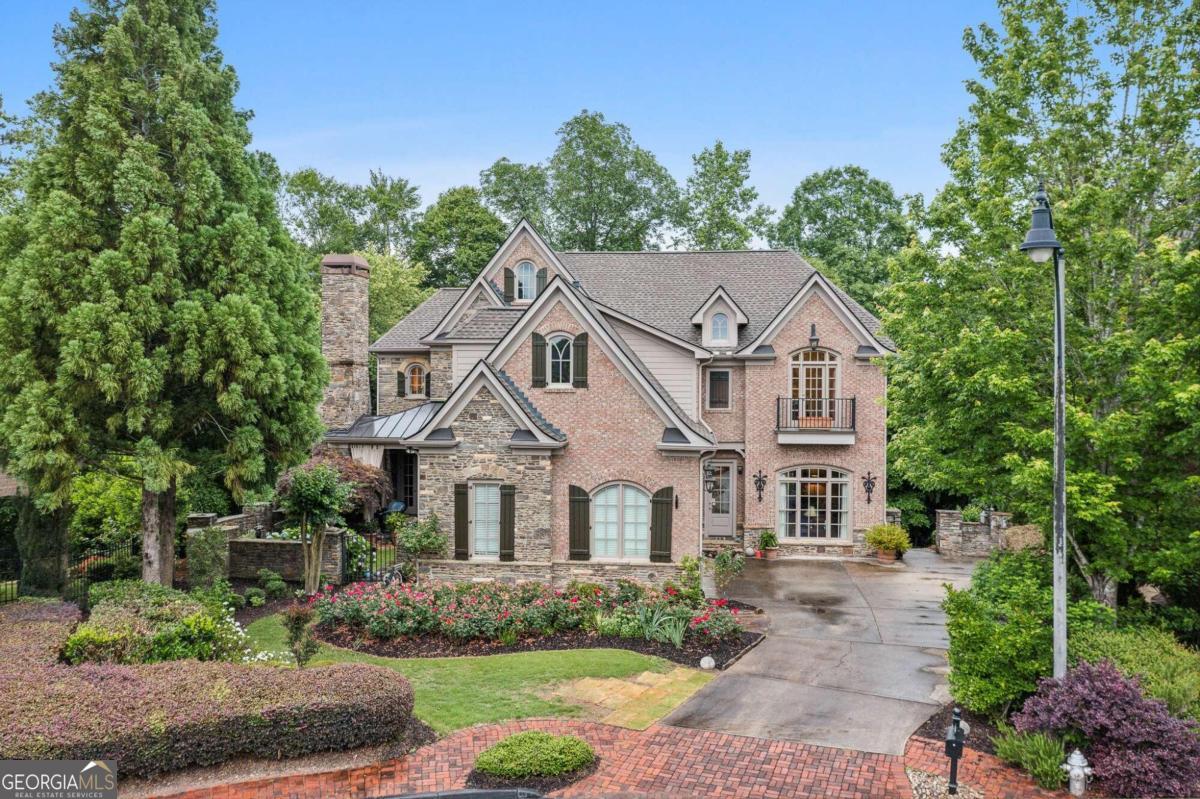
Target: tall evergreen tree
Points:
(152, 306)
(1101, 98)
(721, 211)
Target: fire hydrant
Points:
(1078, 773)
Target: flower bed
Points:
(533, 760)
(485, 618)
(168, 716)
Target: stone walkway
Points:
(661, 761)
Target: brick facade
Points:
(248, 555)
(344, 339)
(766, 381)
(729, 425)
(484, 429)
(612, 435)
(387, 369)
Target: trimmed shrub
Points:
(207, 555)
(169, 716)
(888, 538)
(1039, 753)
(255, 597)
(272, 583)
(1166, 669)
(535, 754)
(1135, 745)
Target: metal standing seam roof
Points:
(420, 322)
(391, 427)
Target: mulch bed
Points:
(429, 646)
(246, 615)
(980, 737)
(543, 785)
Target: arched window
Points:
(720, 328)
(621, 522)
(814, 502)
(559, 351)
(526, 281)
(416, 383)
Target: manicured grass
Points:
(457, 692)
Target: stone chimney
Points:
(344, 332)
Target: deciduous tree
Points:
(721, 211)
(455, 237)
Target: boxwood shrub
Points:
(166, 716)
(535, 754)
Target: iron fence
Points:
(367, 556)
(70, 578)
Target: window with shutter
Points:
(579, 348)
(508, 522)
(662, 508)
(509, 284)
(580, 513)
(539, 361)
(461, 518)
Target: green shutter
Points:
(581, 524)
(541, 281)
(461, 551)
(579, 361)
(539, 361)
(662, 507)
(508, 522)
(509, 285)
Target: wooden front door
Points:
(720, 504)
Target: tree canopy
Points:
(455, 237)
(721, 211)
(329, 215)
(1103, 105)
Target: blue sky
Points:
(435, 92)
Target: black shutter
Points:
(581, 524)
(508, 522)
(661, 509)
(541, 280)
(509, 281)
(400, 381)
(539, 361)
(579, 361)
(460, 522)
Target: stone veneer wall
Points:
(441, 373)
(387, 367)
(557, 574)
(248, 555)
(961, 539)
(344, 339)
(768, 380)
(484, 430)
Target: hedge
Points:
(168, 716)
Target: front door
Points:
(720, 505)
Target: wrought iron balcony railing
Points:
(835, 414)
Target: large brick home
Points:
(602, 414)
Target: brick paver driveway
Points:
(855, 654)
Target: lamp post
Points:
(1042, 246)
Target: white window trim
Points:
(471, 485)
(846, 479)
(532, 282)
(408, 370)
(712, 324)
(550, 339)
(708, 390)
(620, 557)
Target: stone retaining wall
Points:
(957, 538)
(248, 555)
(557, 573)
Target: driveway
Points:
(854, 658)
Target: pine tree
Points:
(152, 306)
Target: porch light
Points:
(813, 340)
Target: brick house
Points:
(603, 414)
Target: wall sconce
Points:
(869, 485)
(710, 479)
(760, 482)
(813, 340)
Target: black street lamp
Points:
(1042, 245)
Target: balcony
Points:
(818, 420)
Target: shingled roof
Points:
(406, 335)
(484, 324)
(664, 288)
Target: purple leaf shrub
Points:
(1134, 743)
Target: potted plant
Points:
(889, 541)
(768, 544)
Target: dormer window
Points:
(526, 281)
(559, 351)
(720, 328)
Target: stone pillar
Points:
(344, 339)
(949, 532)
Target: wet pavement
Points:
(854, 656)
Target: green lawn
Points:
(457, 692)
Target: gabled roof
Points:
(719, 293)
(406, 335)
(816, 283)
(484, 324)
(593, 320)
(538, 431)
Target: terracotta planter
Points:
(886, 555)
(771, 553)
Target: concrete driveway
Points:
(855, 654)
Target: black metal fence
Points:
(815, 413)
(72, 579)
(367, 556)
